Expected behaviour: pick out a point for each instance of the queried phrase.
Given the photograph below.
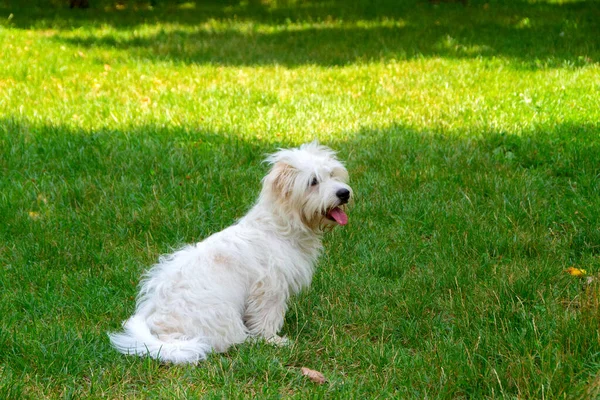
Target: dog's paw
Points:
(278, 341)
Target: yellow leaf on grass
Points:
(34, 214)
(576, 271)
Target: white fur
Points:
(235, 284)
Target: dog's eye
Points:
(314, 181)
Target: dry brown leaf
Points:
(313, 375)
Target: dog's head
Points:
(308, 184)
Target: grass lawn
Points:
(471, 134)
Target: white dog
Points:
(235, 284)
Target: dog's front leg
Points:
(265, 311)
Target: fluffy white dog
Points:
(235, 284)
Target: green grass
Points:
(472, 139)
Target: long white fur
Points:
(235, 284)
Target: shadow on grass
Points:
(156, 179)
(432, 213)
(339, 33)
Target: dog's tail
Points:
(138, 340)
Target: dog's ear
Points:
(282, 179)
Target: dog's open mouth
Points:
(338, 215)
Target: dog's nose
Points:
(343, 195)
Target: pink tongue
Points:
(339, 215)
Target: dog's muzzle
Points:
(337, 213)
